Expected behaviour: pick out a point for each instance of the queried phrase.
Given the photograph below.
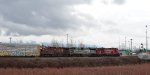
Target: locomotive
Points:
(78, 52)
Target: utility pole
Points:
(131, 44)
(71, 42)
(119, 43)
(67, 41)
(146, 39)
(125, 43)
(10, 40)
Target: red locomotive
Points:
(107, 52)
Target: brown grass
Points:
(138, 69)
(66, 62)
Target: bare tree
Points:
(55, 43)
(81, 45)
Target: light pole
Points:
(71, 42)
(131, 44)
(125, 43)
(146, 39)
(67, 41)
(119, 43)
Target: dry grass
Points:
(66, 62)
(138, 69)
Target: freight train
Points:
(47, 51)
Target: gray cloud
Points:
(108, 22)
(119, 1)
(39, 17)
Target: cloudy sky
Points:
(99, 22)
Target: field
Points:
(138, 69)
(74, 66)
(61, 62)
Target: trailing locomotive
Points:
(107, 52)
(27, 50)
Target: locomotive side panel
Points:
(81, 52)
(52, 51)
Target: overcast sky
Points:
(98, 22)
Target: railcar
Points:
(7, 49)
